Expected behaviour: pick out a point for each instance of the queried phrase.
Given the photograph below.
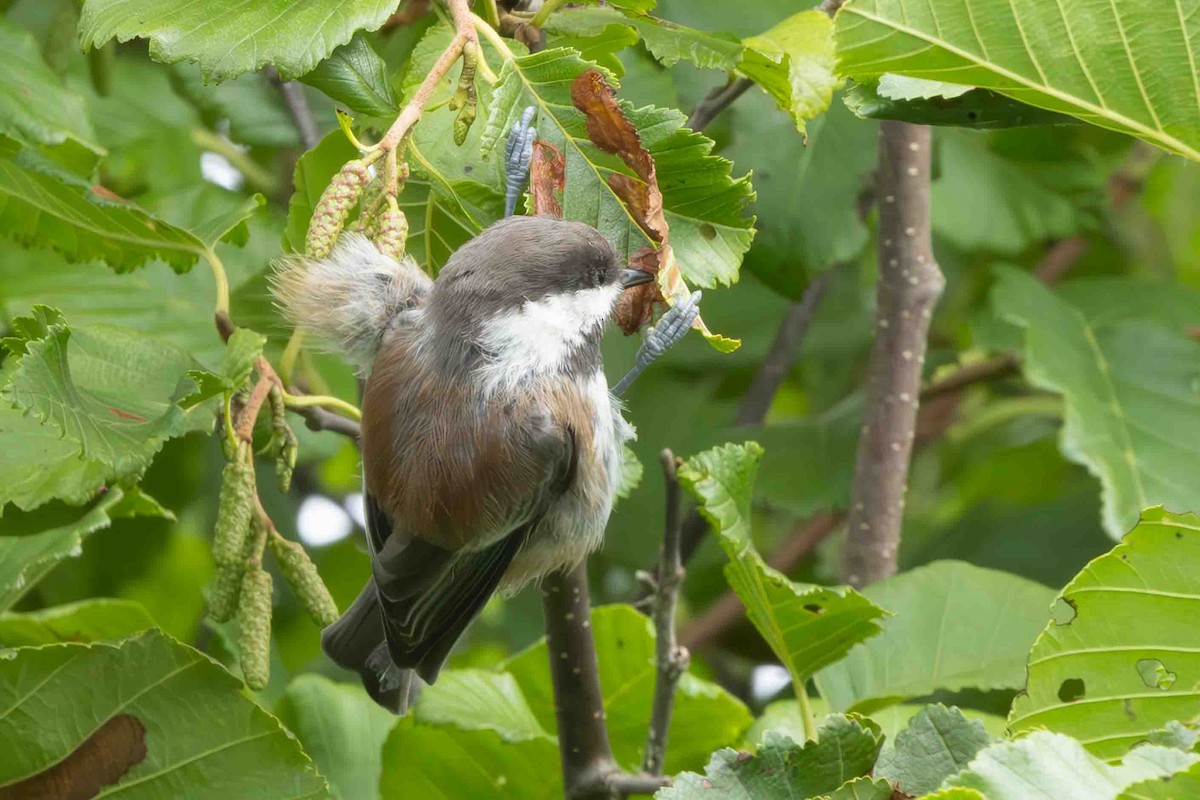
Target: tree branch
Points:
(908, 288)
(297, 106)
(716, 101)
(671, 658)
(589, 771)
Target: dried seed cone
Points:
(301, 574)
(254, 627)
(234, 509)
(226, 588)
(392, 233)
(331, 210)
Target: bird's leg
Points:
(518, 152)
(662, 337)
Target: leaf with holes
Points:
(111, 718)
(1119, 658)
(1129, 67)
(1056, 767)
(807, 627)
(955, 626)
(845, 749)
(1132, 408)
(703, 204)
(229, 37)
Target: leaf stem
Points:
(490, 13)
(543, 13)
(806, 714)
(230, 433)
(222, 281)
(493, 38)
(324, 401)
(291, 352)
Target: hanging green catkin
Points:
(465, 98)
(392, 232)
(301, 574)
(331, 210)
(287, 447)
(254, 627)
(224, 592)
(368, 207)
(235, 507)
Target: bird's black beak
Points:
(635, 277)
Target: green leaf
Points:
(1185, 783)
(793, 62)
(115, 392)
(806, 626)
(356, 76)
(25, 560)
(949, 104)
(955, 626)
(242, 351)
(35, 107)
(1176, 734)
(40, 210)
(1122, 66)
(830, 171)
(1114, 664)
(861, 789)
(1056, 767)
(230, 226)
(248, 108)
(229, 37)
(343, 730)
(937, 743)
(53, 698)
(703, 204)
(61, 472)
(86, 621)
(1130, 392)
(666, 41)
(845, 748)
(1009, 191)
(472, 735)
(705, 717)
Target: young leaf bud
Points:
(301, 574)
(235, 507)
(331, 210)
(254, 627)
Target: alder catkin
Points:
(254, 627)
(301, 574)
(224, 592)
(329, 215)
(392, 233)
(287, 446)
(235, 508)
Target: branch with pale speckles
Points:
(589, 770)
(907, 291)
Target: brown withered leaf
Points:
(106, 755)
(547, 175)
(635, 306)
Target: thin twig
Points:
(298, 108)
(249, 413)
(782, 355)
(964, 376)
(671, 658)
(717, 101)
(908, 288)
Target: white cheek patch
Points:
(541, 335)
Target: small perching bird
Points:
(491, 445)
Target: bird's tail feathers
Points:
(349, 298)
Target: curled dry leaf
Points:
(546, 177)
(610, 130)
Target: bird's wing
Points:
(429, 588)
